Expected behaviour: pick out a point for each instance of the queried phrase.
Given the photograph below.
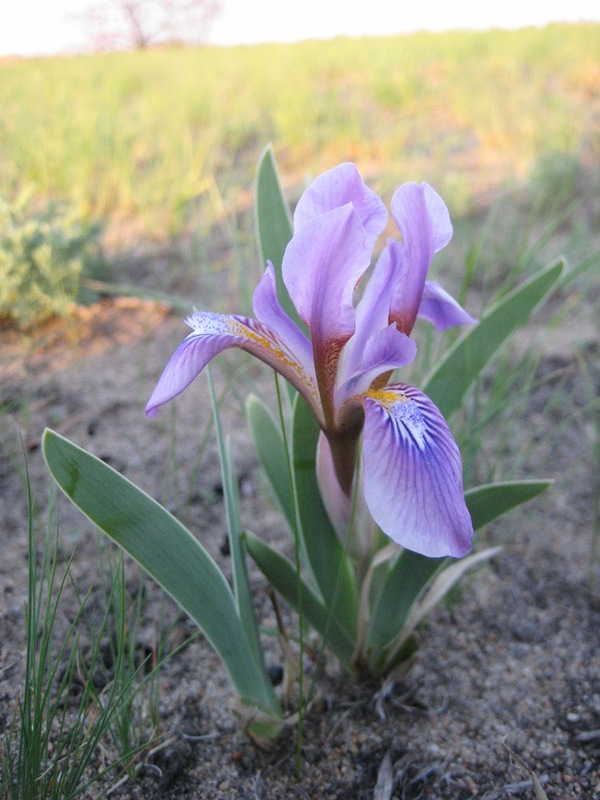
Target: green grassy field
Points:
(139, 138)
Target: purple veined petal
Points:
(441, 309)
(268, 311)
(385, 351)
(214, 333)
(321, 266)
(413, 473)
(425, 227)
(337, 187)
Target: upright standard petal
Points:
(413, 473)
(424, 223)
(337, 187)
(321, 267)
(422, 217)
(214, 333)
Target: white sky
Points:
(29, 27)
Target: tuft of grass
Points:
(75, 700)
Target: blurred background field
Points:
(152, 153)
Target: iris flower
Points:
(411, 467)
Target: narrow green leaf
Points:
(167, 551)
(327, 562)
(273, 225)
(458, 368)
(487, 502)
(409, 573)
(407, 576)
(234, 529)
(439, 588)
(269, 445)
(281, 573)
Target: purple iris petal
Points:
(268, 311)
(425, 226)
(372, 313)
(441, 309)
(422, 217)
(214, 333)
(336, 188)
(386, 350)
(321, 266)
(413, 473)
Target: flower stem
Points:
(288, 458)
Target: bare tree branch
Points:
(135, 24)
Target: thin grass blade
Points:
(588, 263)
(237, 548)
(270, 447)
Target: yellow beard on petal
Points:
(280, 355)
(386, 398)
(404, 410)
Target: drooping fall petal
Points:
(214, 333)
(269, 312)
(413, 474)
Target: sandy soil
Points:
(514, 660)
